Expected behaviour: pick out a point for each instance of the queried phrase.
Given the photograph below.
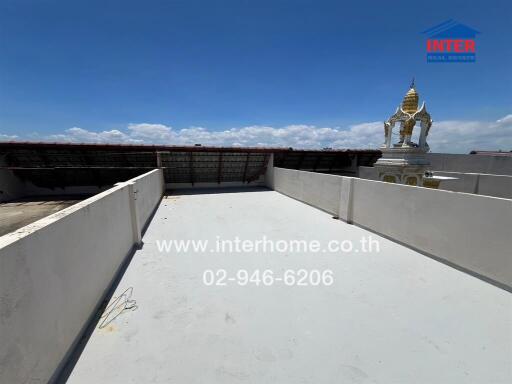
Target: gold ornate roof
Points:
(410, 102)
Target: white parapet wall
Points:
(495, 185)
(316, 189)
(269, 172)
(55, 272)
(149, 189)
(478, 183)
(468, 231)
(370, 173)
(489, 164)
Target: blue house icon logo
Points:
(451, 42)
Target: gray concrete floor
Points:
(18, 213)
(390, 317)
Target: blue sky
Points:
(155, 71)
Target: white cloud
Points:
(151, 132)
(8, 137)
(80, 135)
(445, 136)
(463, 136)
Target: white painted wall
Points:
(317, 189)
(463, 182)
(495, 185)
(369, 173)
(479, 183)
(149, 189)
(470, 231)
(269, 172)
(55, 271)
(497, 165)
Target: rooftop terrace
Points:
(393, 316)
(91, 293)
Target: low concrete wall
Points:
(479, 183)
(463, 182)
(269, 173)
(495, 185)
(54, 273)
(497, 165)
(316, 189)
(470, 231)
(149, 189)
(369, 173)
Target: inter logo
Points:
(451, 42)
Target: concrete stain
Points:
(109, 329)
(229, 319)
(265, 355)
(353, 373)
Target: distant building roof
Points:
(10, 145)
(65, 164)
(492, 153)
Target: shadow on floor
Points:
(67, 365)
